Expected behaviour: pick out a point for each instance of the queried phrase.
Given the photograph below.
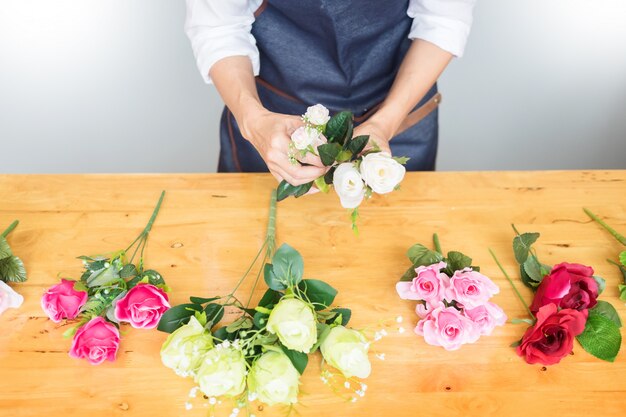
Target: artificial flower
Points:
(274, 379)
(63, 301)
(9, 298)
(184, 349)
(317, 115)
(348, 185)
(447, 327)
(142, 306)
(293, 321)
(429, 285)
(470, 288)
(223, 372)
(486, 317)
(96, 341)
(567, 286)
(347, 350)
(381, 172)
(306, 136)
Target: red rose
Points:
(567, 286)
(552, 336)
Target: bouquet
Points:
(11, 270)
(262, 353)
(112, 290)
(453, 297)
(565, 307)
(355, 175)
(622, 256)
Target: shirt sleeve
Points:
(221, 28)
(446, 23)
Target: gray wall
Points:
(111, 86)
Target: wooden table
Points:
(211, 226)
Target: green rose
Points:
(223, 372)
(184, 348)
(293, 321)
(274, 379)
(346, 350)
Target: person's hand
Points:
(377, 132)
(270, 133)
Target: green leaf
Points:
(328, 177)
(409, 274)
(601, 337)
(328, 153)
(242, 323)
(321, 185)
(323, 330)
(298, 359)
(402, 160)
(287, 266)
(271, 280)
(12, 269)
(214, 313)
(520, 321)
(357, 144)
(345, 314)
(319, 293)
(270, 298)
(177, 316)
(104, 276)
(222, 335)
(532, 267)
(607, 310)
(285, 190)
(260, 320)
(154, 277)
(5, 249)
(522, 244)
(622, 258)
(128, 271)
(338, 126)
(202, 300)
(420, 255)
(601, 283)
(622, 292)
(527, 280)
(458, 261)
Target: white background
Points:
(111, 86)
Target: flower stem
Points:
(10, 228)
(270, 237)
(146, 231)
(620, 238)
(436, 242)
(493, 255)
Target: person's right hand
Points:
(270, 133)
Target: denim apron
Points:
(343, 54)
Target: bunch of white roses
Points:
(262, 354)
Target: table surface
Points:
(210, 227)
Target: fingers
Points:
(278, 162)
(311, 159)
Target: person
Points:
(271, 59)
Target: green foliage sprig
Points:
(11, 267)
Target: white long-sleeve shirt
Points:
(221, 28)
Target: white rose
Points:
(292, 320)
(223, 372)
(184, 349)
(9, 298)
(347, 350)
(381, 172)
(317, 115)
(349, 185)
(274, 379)
(303, 137)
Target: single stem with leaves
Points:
(620, 238)
(437, 243)
(9, 229)
(519, 295)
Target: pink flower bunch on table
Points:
(454, 298)
(112, 290)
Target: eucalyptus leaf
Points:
(319, 293)
(522, 245)
(601, 337)
(177, 316)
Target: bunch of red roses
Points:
(111, 290)
(565, 307)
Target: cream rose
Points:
(223, 372)
(292, 320)
(274, 379)
(184, 348)
(381, 172)
(303, 137)
(317, 115)
(348, 185)
(347, 350)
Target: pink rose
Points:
(448, 328)
(96, 341)
(142, 306)
(9, 298)
(567, 286)
(470, 288)
(486, 317)
(429, 284)
(62, 301)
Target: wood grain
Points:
(211, 226)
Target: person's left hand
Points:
(377, 132)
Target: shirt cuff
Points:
(450, 35)
(209, 52)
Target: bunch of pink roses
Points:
(565, 307)
(454, 306)
(112, 290)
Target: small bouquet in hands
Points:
(565, 307)
(111, 290)
(454, 307)
(622, 256)
(11, 270)
(354, 175)
(262, 353)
